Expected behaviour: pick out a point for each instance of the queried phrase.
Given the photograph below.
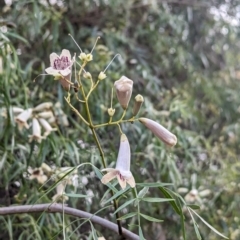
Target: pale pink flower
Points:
(161, 132)
(122, 171)
(61, 68)
(124, 91)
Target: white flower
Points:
(36, 131)
(61, 68)
(22, 118)
(60, 195)
(161, 132)
(46, 114)
(38, 174)
(46, 126)
(122, 171)
(124, 91)
(102, 76)
(43, 106)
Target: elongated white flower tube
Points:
(43, 106)
(36, 131)
(22, 118)
(161, 132)
(48, 128)
(124, 91)
(122, 171)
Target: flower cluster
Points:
(39, 118)
(61, 69)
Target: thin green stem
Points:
(114, 123)
(76, 111)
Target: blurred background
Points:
(183, 56)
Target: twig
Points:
(58, 208)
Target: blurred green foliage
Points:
(183, 58)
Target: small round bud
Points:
(89, 57)
(87, 75)
(83, 56)
(111, 112)
(137, 104)
(101, 76)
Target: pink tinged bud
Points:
(122, 171)
(159, 131)
(46, 126)
(124, 91)
(22, 118)
(43, 106)
(137, 104)
(36, 131)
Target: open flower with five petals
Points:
(122, 171)
(60, 68)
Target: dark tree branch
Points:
(54, 208)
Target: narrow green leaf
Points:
(157, 199)
(193, 206)
(124, 205)
(210, 226)
(197, 230)
(154, 184)
(173, 203)
(76, 195)
(119, 193)
(143, 192)
(152, 219)
(127, 215)
(141, 233)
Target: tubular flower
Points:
(43, 106)
(161, 132)
(22, 118)
(122, 171)
(36, 131)
(46, 126)
(124, 91)
(61, 68)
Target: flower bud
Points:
(89, 57)
(102, 75)
(46, 114)
(43, 106)
(111, 112)
(159, 131)
(137, 104)
(87, 75)
(124, 91)
(83, 56)
(46, 126)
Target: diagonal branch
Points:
(58, 208)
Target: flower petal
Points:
(66, 53)
(65, 72)
(53, 57)
(108, 169)
(122, 181)
(131, 181)
(109, 176)
(52, 71)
